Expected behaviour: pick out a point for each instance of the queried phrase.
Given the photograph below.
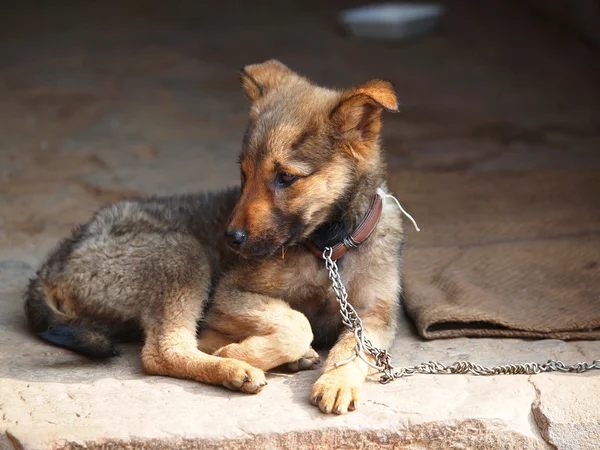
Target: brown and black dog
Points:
(221, 307)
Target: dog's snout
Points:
(235, 238)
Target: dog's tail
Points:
(59, 329)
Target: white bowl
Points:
(392, 21)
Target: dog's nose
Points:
(235, 238)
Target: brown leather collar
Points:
(360, 234)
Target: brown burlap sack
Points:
(513, 255)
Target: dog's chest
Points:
(306, 283)
(303, 282)
(313, 293)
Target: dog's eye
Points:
(284, 179)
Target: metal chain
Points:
(364, 347)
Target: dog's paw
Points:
(338, 390)
(240, 376)
(309, 361)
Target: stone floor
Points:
(104, 99)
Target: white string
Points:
(384, 194)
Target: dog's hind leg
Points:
(264, 332)
(170, 349)
(210, 341)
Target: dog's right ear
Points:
(258, 79)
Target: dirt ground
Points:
(111, 99)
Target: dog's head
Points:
(304, 150)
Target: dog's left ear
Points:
(357, 117)
(258, 79)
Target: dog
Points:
(226, 286)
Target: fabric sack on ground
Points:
(512, 254)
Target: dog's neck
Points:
(346, 214)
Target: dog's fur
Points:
(214, 315)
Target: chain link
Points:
(383, 364)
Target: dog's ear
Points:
(258, 79)
(357, 117)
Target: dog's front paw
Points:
(338, 390)
(239, 376)
(310, 360)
